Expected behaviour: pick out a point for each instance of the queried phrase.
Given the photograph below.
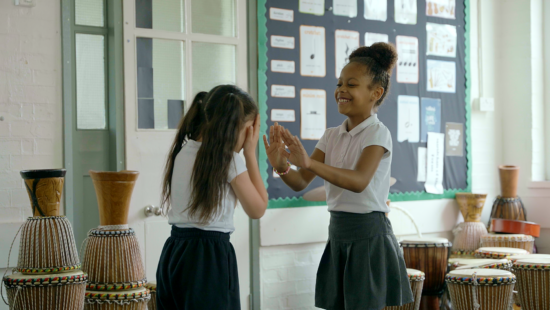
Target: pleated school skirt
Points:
(197, 270)
(362, 267)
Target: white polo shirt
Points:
(342, 150)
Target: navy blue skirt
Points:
(362, 266)
(197, 270)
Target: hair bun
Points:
(384, 54)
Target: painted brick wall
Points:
(30, 99)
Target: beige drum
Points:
(135, 299)
(516, 258)
(485, 263)
(46, 291)
(533, 283)
(491, 289)
(416, 279)
(525, 242)
(498, 252)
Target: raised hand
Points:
(298, 155)
(275, 149)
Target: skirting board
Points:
(310, 224)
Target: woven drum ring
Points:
(498, 253)
(131, 297)
(113, 261)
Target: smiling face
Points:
(354, 93)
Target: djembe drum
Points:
(469, 232)
(533, 283)
(509, 241)
(428, 255)
(514, 259)
(135, 299)
(47, 240)
(152, 304)
(46, 291)
(508, 205)
(483, 289)
(416, 279)
(483, 263)
(498, 253)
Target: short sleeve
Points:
(322, 144)
(380, 135)
(237, 167)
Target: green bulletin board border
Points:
(406, 196)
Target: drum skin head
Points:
(481, 273)
(424, 240)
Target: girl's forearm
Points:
(255, 176)
(295, 180)
(351, 180)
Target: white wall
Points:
(30, 103)
(288, 271)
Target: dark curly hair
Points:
(379, 60)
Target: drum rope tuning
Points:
(8, 267)
(476, 303)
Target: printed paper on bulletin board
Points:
(304, 43)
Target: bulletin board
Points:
(303, 44)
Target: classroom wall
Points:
(502, 53)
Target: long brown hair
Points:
(226, 109)
(190, 127)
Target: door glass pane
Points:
(160, 83)
(213, 64)
(89, 12)
(213, 17)
(161, 14)
(90, 81)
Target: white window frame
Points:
(188, 38)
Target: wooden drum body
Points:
(416, 279)
(135, 299)
(499, 253)
(47, 246)
(46, 292)
(533, 283)
(509, 241)
(492, 289)
(430, 256)
(113, 261)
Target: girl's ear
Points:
(378, 93)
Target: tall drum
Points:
(533, 283)
(46, 291)
(517, 241)
(483, 289)
(428, 255)
(416, 279)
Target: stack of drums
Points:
(486, 289)
(508, 205)
(468, 233)
(112, 256)
(533, 283)
(48, 274)
(518, 241)
(498, 253)
(416, 279)
(430, 256)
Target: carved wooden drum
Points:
(533, 283)
(490, 289)
(135, 299)
(498, 252)
(518, 241)
(46, 291)
(416, 279)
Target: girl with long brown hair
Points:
(203, 179)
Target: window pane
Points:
(213, 64)
(89, 12)
(161, 14)
(90, 81)
(214, 17)
(160, 83)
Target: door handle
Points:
(151, 210)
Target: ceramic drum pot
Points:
(46, 292)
